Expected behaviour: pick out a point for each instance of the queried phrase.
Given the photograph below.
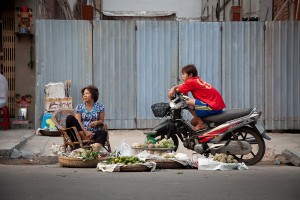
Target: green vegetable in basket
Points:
(166, 143)
(127, 160)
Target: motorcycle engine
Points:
(189, 143)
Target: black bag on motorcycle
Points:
(160, 109)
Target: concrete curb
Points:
(7, 151)
(292, 156)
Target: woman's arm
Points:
(86, 133)
(99, 121)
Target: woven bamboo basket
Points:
(78, 163)
(135, 168)
(168, 164)
(50, 133)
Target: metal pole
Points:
(297, 10)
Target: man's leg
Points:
(197, 122)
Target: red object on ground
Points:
(5, 123)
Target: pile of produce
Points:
(168, 155)
(84, 154)
(224, 158)
(126, 160)
(164, 143)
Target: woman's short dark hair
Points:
(190, 69)
(93, 90)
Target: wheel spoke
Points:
(257, 145)
(245, 136)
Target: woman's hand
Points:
(89, 134)
(94, 124)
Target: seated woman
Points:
(89, 116)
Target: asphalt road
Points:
(26, 182)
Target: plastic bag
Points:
(124, 149)
(210, 164)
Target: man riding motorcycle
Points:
(208, 100)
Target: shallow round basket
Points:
(168, 164)
(77, 162)
(50, 133)
(135, 168)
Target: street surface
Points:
(49, 182)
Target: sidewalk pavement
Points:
(25, 143)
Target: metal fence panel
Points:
(115, 71)
(200, 44)
(157, 66)
(282, 95)
(63, 52)
(243, 64)
(134, 63)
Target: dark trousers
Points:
(99, 137)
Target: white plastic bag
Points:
(210, 164)
(124, 149)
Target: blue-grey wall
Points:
(135, 62)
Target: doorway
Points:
(7, 49)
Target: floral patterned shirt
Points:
(89, 116)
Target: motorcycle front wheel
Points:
(257, 144)
(161, 135)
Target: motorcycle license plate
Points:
(260, 128)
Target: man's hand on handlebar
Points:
(171, 93)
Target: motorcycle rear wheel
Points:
(161, 135)
(257, 143)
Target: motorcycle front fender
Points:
(164, 127)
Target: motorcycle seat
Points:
(227, 115)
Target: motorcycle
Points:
(234, 132)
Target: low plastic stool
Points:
(150, 136)
(5, 122)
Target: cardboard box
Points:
(53, 104)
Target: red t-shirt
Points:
(203, 92)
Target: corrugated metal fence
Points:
(135, 62)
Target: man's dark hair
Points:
(93, 90)
(190, 69)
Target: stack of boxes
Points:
(57, 96)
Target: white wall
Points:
(183, 8)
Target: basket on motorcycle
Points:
(160, 109)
